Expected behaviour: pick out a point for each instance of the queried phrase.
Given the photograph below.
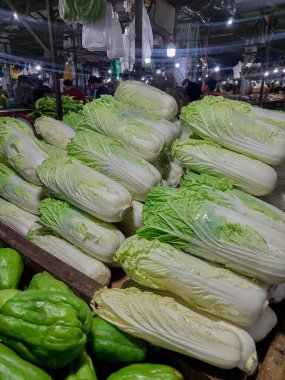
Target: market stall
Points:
(140, 238)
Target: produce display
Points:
(47, 106)
(118, 184)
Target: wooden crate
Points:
(271, 350)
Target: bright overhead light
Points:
(198, 65)
(109, 71)
(283, 70)
(147, 60)
(158, 71)
(230, 21)
(171, 50)
(266, 73)
(143, 78)
(275, 70)
(207, 75)
(38, 67)
(177, 64)
(15, 16)
(217, 68)
(200, 79)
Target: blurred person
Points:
(41, 91)
(191, 92)
(23, 91)
(209, 86)
(101, 89)
(91, 88)
(72, 91)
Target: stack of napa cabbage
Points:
(82, 179)
(236, 140)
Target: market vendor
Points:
(72, 91)
(209, 86)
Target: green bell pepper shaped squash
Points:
(13, 367)
(106, 342)
(146, 372)
(81, 368)
(47, 328)
(11, 268)
(44, 281)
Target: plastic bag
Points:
(96, 36)
(117, 44)
(129, 41)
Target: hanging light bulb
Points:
(217, 69)
(38, 67)
(147, 60)
(15, 16)
(275, 70)
(266, 73)
(177, 64)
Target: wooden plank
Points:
(39, 260)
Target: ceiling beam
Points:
(29, 29)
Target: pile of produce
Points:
(204, 259)
(47, 106)
(37, 344)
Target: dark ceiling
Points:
(226, 42)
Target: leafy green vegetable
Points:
(105, 116)
(71, 255)
(18, 191)
(248, 174)
(22, 151)
(106, 156)
(85, 188)
(165, 323)
(82, 11)
(203, 285)
(220, 191)
(95, 237)
(147, 98)
(223, 121)
(14, 217)
(54, 131)
(212, 231)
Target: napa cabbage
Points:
(18, 191)
(248, 174)
(225, 123)
(70, 255)
(221, 191)
(201, 284)
(133, 219)
(107, 157)
(85, 188)
(54, 131)
(212, 231)
(105, 116)
(93, 236)
(165, 323)
(148, 98)
(14, 217)
(23, 153)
